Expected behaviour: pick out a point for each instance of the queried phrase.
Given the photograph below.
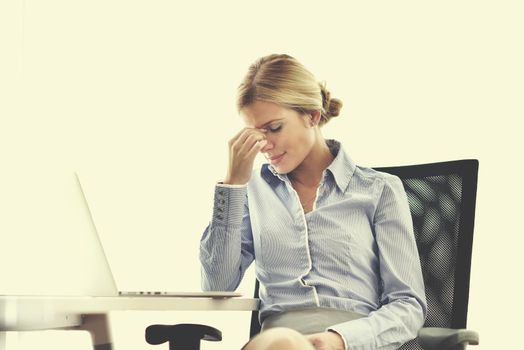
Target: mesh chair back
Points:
(442, 200)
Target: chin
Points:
(283, 169)
(280, 171)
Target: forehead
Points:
(260, 113)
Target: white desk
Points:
(22, 313)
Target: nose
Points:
(268, 146)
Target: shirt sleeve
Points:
(403, 303)
(226, 246)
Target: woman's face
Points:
(289, 135)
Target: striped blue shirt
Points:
(354, 251)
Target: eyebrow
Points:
(269, 122)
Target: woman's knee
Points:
(279, 339)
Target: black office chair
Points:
(184, 336)
(442, 200)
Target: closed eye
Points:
(275, 128)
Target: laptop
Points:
(106, 285)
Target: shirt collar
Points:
(342, 167)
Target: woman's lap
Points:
(288, 328)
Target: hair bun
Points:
(331, 106)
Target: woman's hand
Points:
(243, 149)
(326, 341)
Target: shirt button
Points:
(220, 217)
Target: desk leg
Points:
(98, 326)
(3, 340)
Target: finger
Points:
(239, 143)
(251, 140)
(235, 138)
(256, 148)
(249, 132)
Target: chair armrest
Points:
(433, 338)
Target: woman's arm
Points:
(403, 299)
(226, 246)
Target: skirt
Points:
(311, 320)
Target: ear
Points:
(314, 117)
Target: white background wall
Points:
(138, 96)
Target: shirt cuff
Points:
(221, 184)
(357, 334)
(228, 207)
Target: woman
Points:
(333, 242)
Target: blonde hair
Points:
(281, 79)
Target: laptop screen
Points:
(49, 242)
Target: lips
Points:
(276, 159)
